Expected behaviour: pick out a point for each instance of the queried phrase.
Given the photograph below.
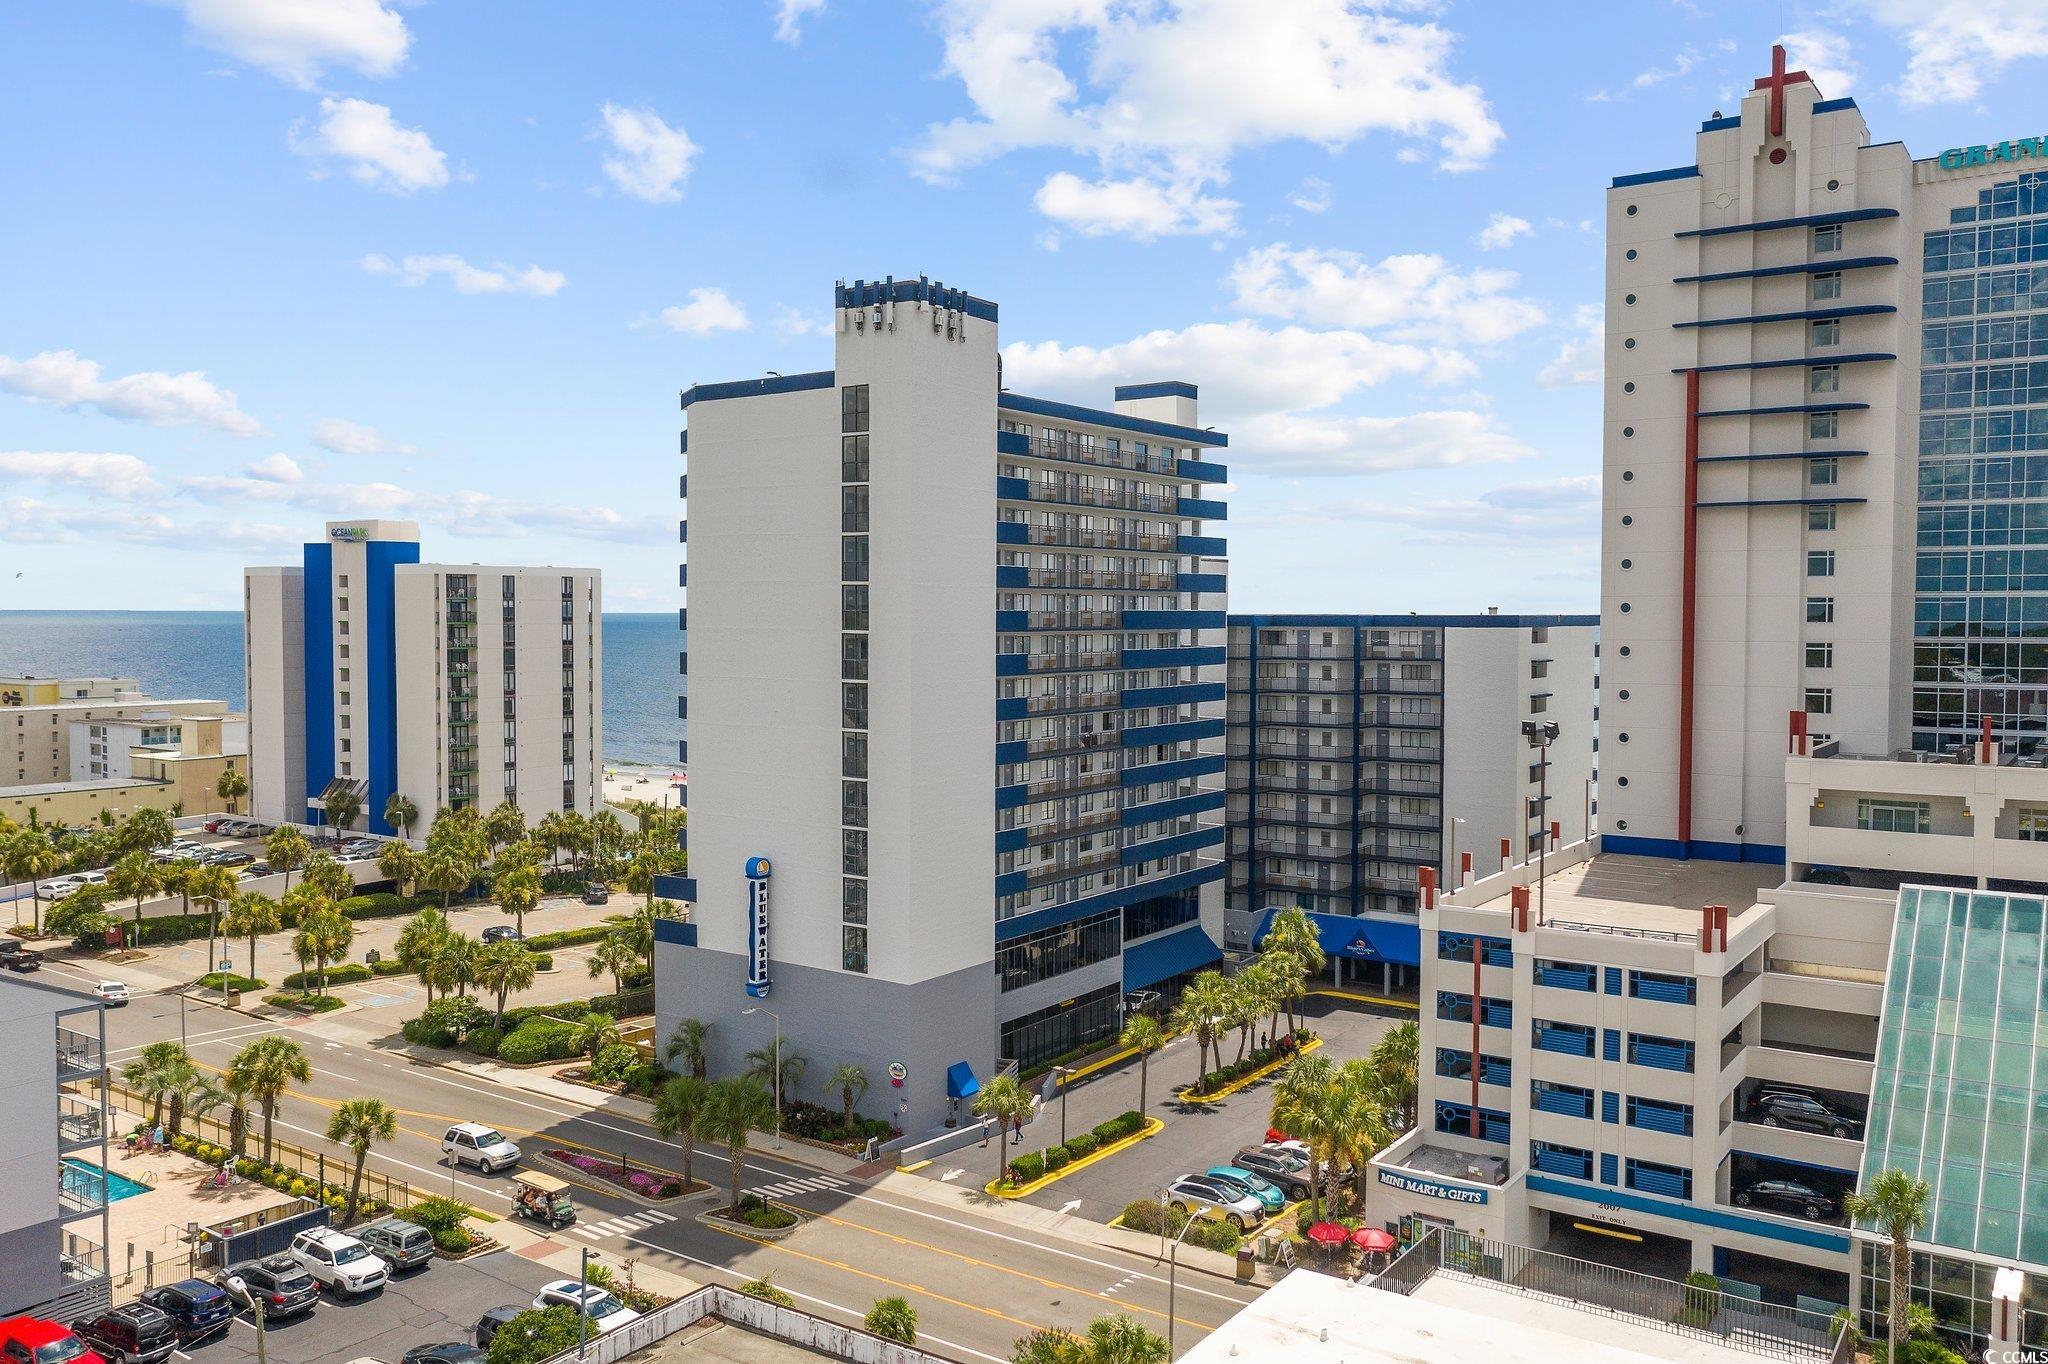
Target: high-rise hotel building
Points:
(955, 720)
(1825, 470)
(453, 684)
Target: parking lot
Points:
(438, 1303)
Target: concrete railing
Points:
(783, 1323)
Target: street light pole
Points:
(775, 1079)
(1173, 1274)
(582, 1307)
(1540, 733)
(1457, 868)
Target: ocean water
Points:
(199, 653)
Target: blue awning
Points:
(1162, 959)
(1361, 939)
(960, 1081)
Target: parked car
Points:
(398, 1243)
(1285, 1169)
(24, 962)
(279, 1281)
(1827, 876)
(492, 1321)
(32, 1340)
(597, 893)
(198, 1311)
(112, 993)
(472, 1143)
(1270, 1196)
(57, 887)
(448, 1352)
(1782, 1109)
(132, 1334)
(229, 858)
(1788, 1195)
(339, 1262)
(255, 869)
(500, 933)
(1194, 1193)
(606, 1312)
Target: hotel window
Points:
(1895, 816)
(1824, 379)
(854, 948)
(1823, 473)
(853, 853)
(853, 407)
(2033, 824)
(1820, 655)
(1820, 701)
(1820, 610)
(1820, 563)
(1827, 331)
(1827, 286)
(1539, 667)
(1827, 239)
(853, 900)
(853, 459)
(1823, 425)
(853, 608)
(1820, 518)
(853, 508)
(853, 705)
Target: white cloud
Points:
(708, 311)
(1824, 55)
(380, 153)
(1583, 359)
(463, 512)
(790, 16)
(1418, 296)
(1141, 208)
(791, 323)
(1289, 443)
(648, 159)
(1171, 93)
(498, 278)
(63, 378)
(1501, 230)
(123, 477)
(30, 521)
(347, 438)
(1560, 509)
(1681, 65)
(1958, 46)
(278, 468)
(297, 39)
(1311, 196)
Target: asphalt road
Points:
(977, 1282)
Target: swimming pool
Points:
(83, 1180)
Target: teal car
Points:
(1269, 1195)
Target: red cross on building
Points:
(1776, 83)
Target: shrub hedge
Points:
(1151, 1218)
(305, 1003)
(815, 1122)
(228, 980)
(1026, 1168)
(281, 1178)
(567, 937)
(1237, 1070)
(538, 1039)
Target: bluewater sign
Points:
(757, 927)
(2018, 149)
(1431, 1188)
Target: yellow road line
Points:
(1358, 998)
(1152, 1128)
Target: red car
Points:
(212, 826)
(31, 1340)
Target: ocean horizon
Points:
(188, 654)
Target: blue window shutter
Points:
(1610, 1044)
(1607, 1170)
(1610, 1106)
(1612, 981)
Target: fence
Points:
(784, 1323)
(1702, 1312)
(314, 1165)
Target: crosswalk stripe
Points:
(660, 1216)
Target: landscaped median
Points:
(1029, 1173)
(1245, 1073)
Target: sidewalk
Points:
(567, 1260)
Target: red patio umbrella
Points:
(1372, 1239)
(1329, 1234)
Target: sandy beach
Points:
(624, 782)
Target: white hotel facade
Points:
(1821, 868)
(453, 684)
(955, 702)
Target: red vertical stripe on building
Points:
(1686, 609)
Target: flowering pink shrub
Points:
(646, 1183)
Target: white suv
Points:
(339, 1262)
(472, 1143)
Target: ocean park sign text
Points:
(2019, 149)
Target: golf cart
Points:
(542, 1198)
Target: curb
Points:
(710, 1218)
(1152, 1128)
(598, 1184)
(1187, 1096)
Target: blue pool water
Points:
(82, 1179)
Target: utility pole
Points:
(1540, 734)
(582, 1307)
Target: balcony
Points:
(1074, 700)
(1326, 884)
(1067, 493)
(1320, 819)
(1159, 461)
(1110, 577)
(78, 1055)
(1080, 866)
(1047, 831)
(1289, 781)
(1101, 539)
(1400, 753)
(1071, 786)
(1377, 784)
(1079, 661)
(80, 1121)
(1071, 620)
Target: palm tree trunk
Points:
(689, 1154)
(252, 956)
(739, 1154)
(355, 1187)
(1144, 1074)
(269, 1117)
(1895, 1318)
(1315, 1188)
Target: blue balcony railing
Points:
(1568, 1161)
(1563, 975)
(1662, 1180)
(1655, 1116)
(1660, 1053)
(1567, 1101)
(1564, 1039)
(1665, 989)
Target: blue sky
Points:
(263, 262)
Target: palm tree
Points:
(780, 1065)
(606, 833)
(640, 874)
(617, 954)
(421, 938)
(517, 888)
(198, 1096)
(134, 877)
(360, 1124)
(504, 824)
(399, 862)
(688, 1044)
(251, 915)
(451, 968)
(1203, 1007)
(1896, 1203)
(146, 828)
(1365, 1123)
(401, 814)
(175, 878)
(231, 787)
(595, 1031)
(677, 1105)
(29, 856)
(238, 1115)
(342, 808)
(445, 873)
(285, 848)
(153, 1074)
(1292, 934)
(851, 1081)
(1395, 1058)
(1306, 1107)
(327, 878)
(265, 1070)
(1004, 1100)
(504, 968)
(1109, 1340)
(734, 1109)
(324, 935)
(1144, 1036)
